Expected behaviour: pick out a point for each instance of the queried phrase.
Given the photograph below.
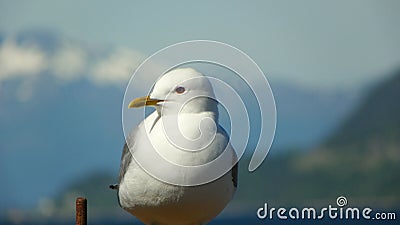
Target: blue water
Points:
(248, 220)
(255, 221)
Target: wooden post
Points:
(81, 211)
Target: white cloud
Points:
(20, 61)
(69, 62)
(117, 68)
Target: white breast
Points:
(157, 202)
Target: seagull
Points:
(185, 94)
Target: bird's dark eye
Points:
(180, 90)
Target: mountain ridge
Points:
(376, 118)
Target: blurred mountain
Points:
(318, 112)
(377, 119)
(59, 130)
(69, 125)
(360, 160)
(365, 170)
(59, 135)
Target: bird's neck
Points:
(194, 106)
(199, 105)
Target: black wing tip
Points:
(235, 174)
(114, 186)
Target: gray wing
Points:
(234, 171)
(126, 159)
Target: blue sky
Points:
(337, 44)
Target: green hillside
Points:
(361, 161)
(377, 119)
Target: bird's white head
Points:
(183, 90)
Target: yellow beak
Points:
(143, 101)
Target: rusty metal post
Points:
(81, 211)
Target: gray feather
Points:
(126, 160)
